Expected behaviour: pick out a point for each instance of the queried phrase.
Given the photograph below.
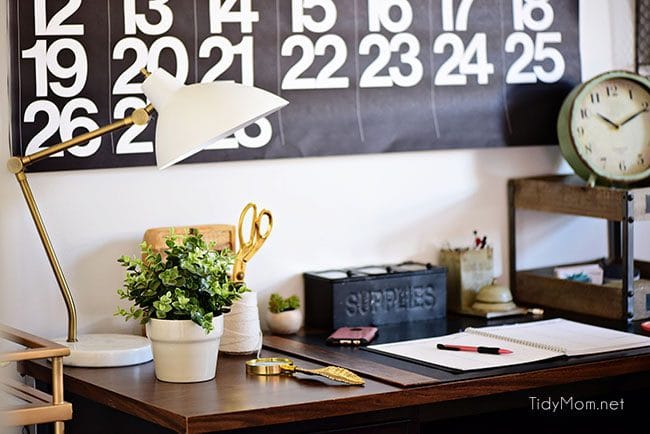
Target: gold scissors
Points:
(248, 247)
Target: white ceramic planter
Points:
(182, 351)
(284, 323)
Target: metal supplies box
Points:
(374, 295)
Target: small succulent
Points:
(279, 304)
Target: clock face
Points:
(610, 125)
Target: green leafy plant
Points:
(279, 304)
(190, 282)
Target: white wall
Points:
(329, 212)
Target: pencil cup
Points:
(468, 270)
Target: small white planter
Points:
(284, 323)
(182, 351)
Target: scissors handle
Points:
(257, 236)
(242, 217)
(248, 247)
(269, 224)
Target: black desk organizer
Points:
(374, 295)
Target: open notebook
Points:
(529, 342)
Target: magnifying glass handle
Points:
(334, 373)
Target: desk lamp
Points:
(190, 118)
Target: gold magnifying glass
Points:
(280, 365)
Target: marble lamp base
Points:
(107, 350)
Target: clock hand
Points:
(612, 123)
(633, 116)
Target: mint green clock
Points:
(604, 129)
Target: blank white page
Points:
(573, 338)
(424, 350)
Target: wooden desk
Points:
(130, 400)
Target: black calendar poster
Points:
(361, 76)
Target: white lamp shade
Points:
(195, 116)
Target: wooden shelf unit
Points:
(570, 195)
(35, 406)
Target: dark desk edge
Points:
(392, 400)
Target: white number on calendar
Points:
(69, 124)
(147, 58)
(462, 15)
(134, 21)
(124, 84)
(371, 76)
(535, 51)
(325, 78)
(228, 53)
(126, 143)
(47, 59)
(64, 123)
(221, 11)
(462, 59)
(300, 20)
(379, 14)
(263, 137)
(56, 26)
(523, 15)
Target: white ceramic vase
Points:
(284, 323)
(182, 351)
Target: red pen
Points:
(484, 350)
(646, 326)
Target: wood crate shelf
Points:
(621, 207)
(541, 287)
(570, 195)
(27, 405)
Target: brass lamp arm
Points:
(138, 117)
(16, 165)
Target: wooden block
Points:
(222, 235)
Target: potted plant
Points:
(284, 316)
(181, 295)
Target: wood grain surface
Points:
(562, 194)
(235, 400)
